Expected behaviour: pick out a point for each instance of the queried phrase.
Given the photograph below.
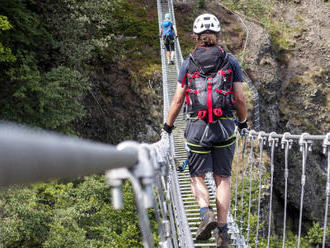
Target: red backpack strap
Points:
(184, 79)
(187, 96)
(209, 99)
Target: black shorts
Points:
(211, 147)
(169, 44)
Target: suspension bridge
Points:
(29, 156)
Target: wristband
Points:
(242, 125)
(168, 128)
(242, 121)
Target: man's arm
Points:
(240, 102)
(175, 32)
(176, 104)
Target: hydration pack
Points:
(167, 30)
(210, 84)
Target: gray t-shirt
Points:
(237, 72)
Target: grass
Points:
(267, 14)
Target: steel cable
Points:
(286, 144)
(142, 214)
(236, 176)
(261, 141)
(242, 193)
(251, 163)
(326, 150)
(272, 142)
(304, 146)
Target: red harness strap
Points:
(184, 80)
(193, 76)
(201, 114)
(187, 96)
(209, 100)
(222, 73)
(230, 74)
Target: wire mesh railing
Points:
(255, 173)
(183, 232)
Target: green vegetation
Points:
(5, 52)
(312, 85)
(72, 214)
(51, 50)
(53, 54)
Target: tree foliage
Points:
(51, 51)
(5, 52)
(73, 214)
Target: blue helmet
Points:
(168, 16)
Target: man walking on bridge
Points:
(211, 82)
(168, 33)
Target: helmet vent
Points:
(206, 22)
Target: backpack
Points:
(167, 30)
(210, 85)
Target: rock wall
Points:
(294, 93)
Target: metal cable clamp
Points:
(271, 139)
(326, 143)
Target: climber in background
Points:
(168, 33)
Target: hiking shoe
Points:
(222, 238)
(172, 62)
(169, 62)
(206, 226)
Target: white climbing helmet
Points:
(206, 22)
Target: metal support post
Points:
(326, 151)
(305, 146)
(142, 183)
(261, 141)
(286, 144)
(272, 143)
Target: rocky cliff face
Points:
(294, 90)
(288, 60)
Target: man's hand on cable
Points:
(241, 125)
(168, 128)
